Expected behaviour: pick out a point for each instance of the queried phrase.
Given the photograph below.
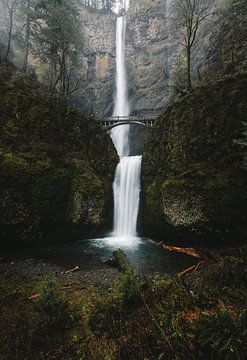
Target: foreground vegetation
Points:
(201, 315)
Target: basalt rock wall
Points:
(156, 60)
(194, 167)
(98, 57)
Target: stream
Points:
(147, 258)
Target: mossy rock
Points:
(56, 164)
(194, 177)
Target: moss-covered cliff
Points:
(56, 164)
(194, 177)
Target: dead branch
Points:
(33, 297)
(72, 270)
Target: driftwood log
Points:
(189, 251)
(201, 254)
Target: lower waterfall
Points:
(126, 196)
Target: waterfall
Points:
(126, 196)
(170, 53)
(126, 185)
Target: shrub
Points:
(222, 337)
(53, 305)
(108, 316)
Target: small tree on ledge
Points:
(191, 13)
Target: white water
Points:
(121, 104)
(120, 134)
(170, 52)
(126, 185)
(126, 196)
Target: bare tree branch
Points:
(191, 13)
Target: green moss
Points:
(85, 188)
(50, 155)
(195, 152)
(87, 183)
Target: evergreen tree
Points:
(56, 37)
(11, 6)
(27, 33)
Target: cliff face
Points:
(146, 55)
(194, 172)
(154, 57)
(98, 54)
(156, 61)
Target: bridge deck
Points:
(131, 118)
(113, 121)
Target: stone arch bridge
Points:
(109, 123)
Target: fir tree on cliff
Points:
(56, 38)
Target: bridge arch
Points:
(110, 127)
(114, 121)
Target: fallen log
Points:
(152, 241)
(121, 261)
(155, 242)
(202, 254)
(188, 251)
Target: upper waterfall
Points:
(121, 102)
(121, 105)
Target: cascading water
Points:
(170, 52)
(126, 196)
(126, 185)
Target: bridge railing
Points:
(131, 118)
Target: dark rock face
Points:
(146, 54)
(56, 165)
(39, 199)
(154, 57)
(156, 61)
(194, 179)
(98, 54)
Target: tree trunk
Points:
(63, 72)
(10, 32)
(53, 67)
(53, 55)
(27, 36)
(189, 82)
